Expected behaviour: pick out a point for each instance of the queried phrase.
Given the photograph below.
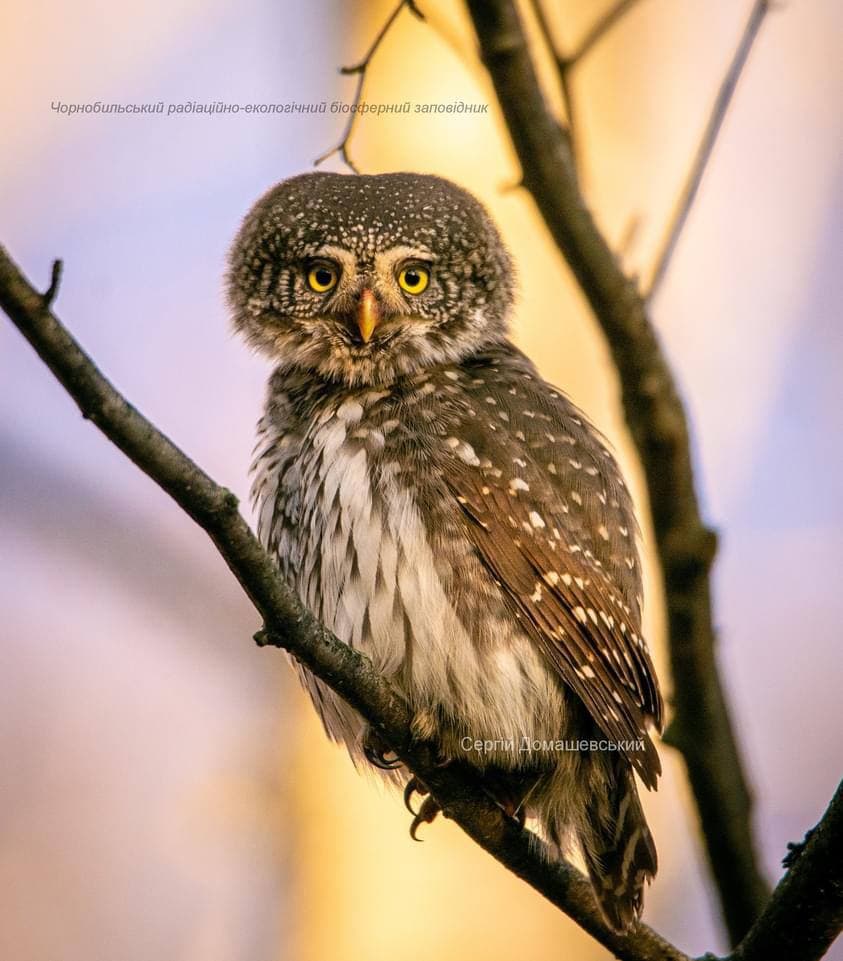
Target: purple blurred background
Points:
(146, 804)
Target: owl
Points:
(447, 512)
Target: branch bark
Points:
(805, 913)
(701, 728)
(292, 627)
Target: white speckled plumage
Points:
(444, 510)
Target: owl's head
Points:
(365, 279)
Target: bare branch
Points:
(359, 69)
(805, 913)
(458, 790)
(564, 74)
(701, 728)
(55, 279)
(705, 147)
(599, 30)
(566, 63)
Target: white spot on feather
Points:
(350, 412)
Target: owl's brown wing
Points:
(537, 532)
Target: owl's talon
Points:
(375, 752)
(413, 786)
(427, 813)
(378, 758)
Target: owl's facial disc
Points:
(366, 279)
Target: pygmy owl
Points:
(444, 510)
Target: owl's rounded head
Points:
(366, 279)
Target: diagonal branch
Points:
(290, 626)
(359, 70)
(599, 29)
(805, 913)
(702, 728)
(706, 146)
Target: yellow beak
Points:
(368, 315)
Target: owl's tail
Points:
(619, 851)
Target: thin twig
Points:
(705, 148)
(359, 69)
(599, 30)
(565, 63)
(629, 236)
(701, 728)
(564, 75)
(49, 294)
(459, 792)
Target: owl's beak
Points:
(368, 314)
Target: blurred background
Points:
(165, 791)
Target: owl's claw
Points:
(379, 759)
(414, 786)
(375, 752)
(427, 813)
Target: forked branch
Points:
(359, 70)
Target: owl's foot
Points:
(380, 759)
(427, 813)
(413, 786)
(378, 754)
(428, 810)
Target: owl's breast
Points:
(339, 507)
(367, 533)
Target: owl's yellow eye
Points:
(414, 280)
(322, 278)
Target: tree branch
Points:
(705, 148)
(600, 28)
(701, 728)
(563, 73)
(565, 63)
(805, 913)
(359, 69)
(289, 625)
